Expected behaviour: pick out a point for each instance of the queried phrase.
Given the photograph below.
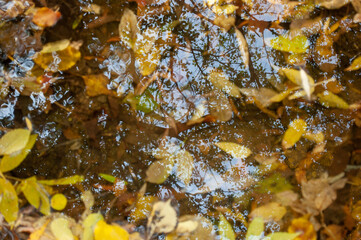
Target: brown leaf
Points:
(46, 17)
(96, 85)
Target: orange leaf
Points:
(45, 17)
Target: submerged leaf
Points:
(14, 141)
(89, 224)
(160, 170)
(294, 132)
(243, 47)
(10, 162)
(162, 219)
(355, 65)
(270, 211)
(58, 201)
(332, 4)
(234, 149)
(97, 85)
(282, 236)
(106, 231)
(128, 28)
(63, 181)
(255, 229)
(297, 44)
(185, 164)
(46, 17)
(36, 195)
(221, 81)
(60, 229)
(148, 62)
(9, 207)
(142, 208)
(328, 99)
(225, 229)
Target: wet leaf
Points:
(185, 164)
(128, 28)
(317, 137)
(37, 234)
(147, 101)
(46, 17)
(36, 195)
(303, 227)
(106, 231)
(60, 229)
(221, 81)
(255, 229)
(97, 85)
(63, 181)
(280, 96)
(58, 202)
(225, 229)
(89, 224)
(142, 208)
(294, 132)
(307, 84)
(148, 62)
(299, 78)
(107, 177)
(234, 149)
(10, 162)
(13, 141)
(243, 47)
(224, 9)
(328, 99)
(332, 4)
(270, 211)
(8, 201)
(160, 170)
(262, 95)
(297, 44)
(219, 106)
(355, 65)
(162, 219)
(58, 56)
(282, 236)
(274, 184)
(145, 41)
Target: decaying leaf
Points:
(270, 211)
(317, 137)
(97, 85)
(297, 44)
(162, 219)
(262, 95)
(185, 164)
(219, 106)
(234, 149)
(102, 231)
(304, 227)
(221, 81)
(243, 47)
(128, 28)
(148, 62)
(332, 4)
(9, 206)
(160, 170)
(142, 208)
(328, 99)
(46, 17)
(307, 85)
(60, 229)
(355, 65)
(225, 229)
(13, 141)
(293, 133)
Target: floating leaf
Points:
(14, 141)
(63, 181)
(270, 211)
(255, 229)
(185, 164)
(58, 56)
(128, 28)
(106, 231)
(97, 85)
(328, 99)
(294, 132)
(234, 149)
(46, 17)
(10, 162)
(107, 177)
(224, 9)
(243, 47)
(282, 236)
(8, 201)
(355, 65)
(58, 201)
(89, 224)
(297, 44)
(60, 229)
(162, 219)
(225, 229)
(222, 82)
(36, 194)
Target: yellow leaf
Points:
(36, 194)
(270, 211)
(255, 229)
(63, 181)
(60, 229)
(9, 162)
(279, 97)
(97, 85)
(185, 163)
(234, 149)
(296, 76)
(89, 224)
(355, 65)
(146, 41)
(58, 201)
(328, 99)
(148, 62)
(224, 9)
(54, 57)
(221, 81)
(225, 229)
(294, 132)
(8, 201)
(37, 234)
(142, 208)
(304, 227)
(14, 141)
(104, 231)
(297, 44)
(282, 236)
(317, 137)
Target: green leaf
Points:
(14, 141)
(297, 44)
(221, 81)
(60, 229)
(9, 162)
(107, 177)
(225, 229)
(8, 201)
(294, 132)
(89, 224)
(328, 99)
(255, 229)
(36, 195)
(185, 164)
(234, 149)
(63, 181)
(146, 102)
(355, 65)
(160, 170)
(282, 236)
(274, 184)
